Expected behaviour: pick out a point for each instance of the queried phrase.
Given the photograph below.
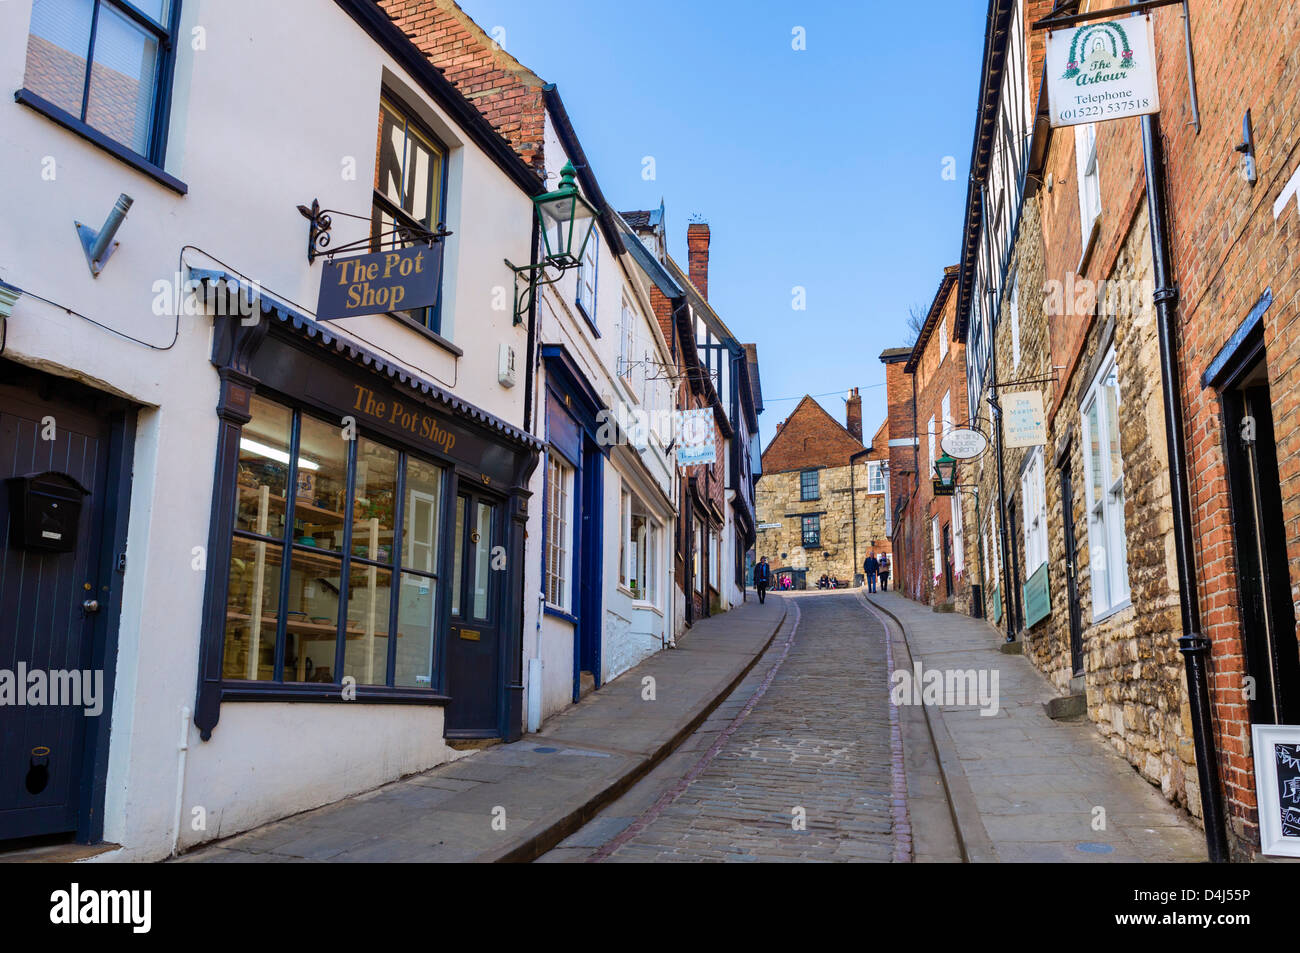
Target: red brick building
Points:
(926, 387)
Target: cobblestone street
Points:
(799, 763)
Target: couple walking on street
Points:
(873, 567)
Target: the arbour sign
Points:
(1102, 70)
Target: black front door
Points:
(947, 560)
(1071, 580)
(474, 636)
(52, 606)
(1267, 614)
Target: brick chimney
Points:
(853, 414)
(697, 257)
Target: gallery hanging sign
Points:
(1023, 421)
(402, 279)
(1102, 70)
(964, 443)
(695, 443)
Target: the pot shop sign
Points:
(1102, 70)
(399, 280)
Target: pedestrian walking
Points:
(762, 579)
(871, 566)
(884, 572)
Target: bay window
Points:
(330, 559)
(1104, 480)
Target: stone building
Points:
(823, 495)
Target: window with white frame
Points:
(697, 557)
(958, 534)
(714, 559)
(637, 569)
(937, 546)
(948, 422)
(875, 477)
(943, 339)
(559, 494)
(995, 546)
(930, 431)
(1033, 495)
(1085, 154)
(587, 276)
(1015, 320)
(1104, 479)
(625, 532)
(626, 340)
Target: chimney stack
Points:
(853, 414)
(697, 257)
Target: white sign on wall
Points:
(1023, 421)
(1102, 70)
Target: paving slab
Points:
(1026, 785)
(514, 802)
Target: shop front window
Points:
(332, 505)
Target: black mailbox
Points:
(44, 511)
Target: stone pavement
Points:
(808, 736)
(1025, 787)
(544, 786)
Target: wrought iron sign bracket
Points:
(322, 220)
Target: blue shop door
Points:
(474, 638)
(51, 603)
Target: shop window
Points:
(587, 276)
(330, 507)
(1104, 478)
(812, 531)
(106, 65)
(410, 181)
(559, 496)
(937, 547)
(809, 488)
(1033, 493)
(875, 477)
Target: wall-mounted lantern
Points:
(566, 220)
(945, 469)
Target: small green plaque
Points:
(1038, 601)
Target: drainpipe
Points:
(853, 502)
(182, 748)
(1194, 647)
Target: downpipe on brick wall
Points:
(1194, 647)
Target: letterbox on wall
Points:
(44, 511)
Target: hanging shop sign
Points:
(695, 438)
(403, 279)
(964, 443)
(1023, 421)
(1277, 787)
(1102, 70)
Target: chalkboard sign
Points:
(1277, 785)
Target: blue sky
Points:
(819, 168)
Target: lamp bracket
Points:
(534, 277)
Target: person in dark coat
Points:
(871, 566)
(883, 569)
(762, 579)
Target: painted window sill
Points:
(1113, 610)
(327, 692)
(429, 333)
(96, 138)
(559, 613)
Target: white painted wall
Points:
(252, 143)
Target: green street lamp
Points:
(566, 220)
(945, 469)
